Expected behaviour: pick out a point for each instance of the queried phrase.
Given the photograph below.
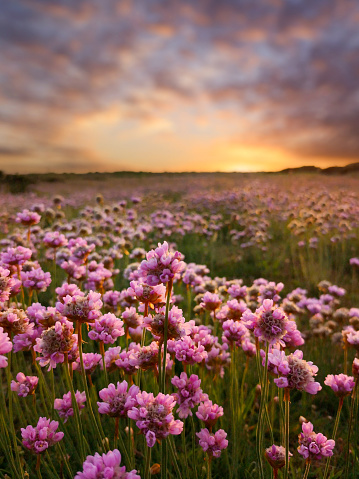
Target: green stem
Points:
(165, 336)
(352, 403)
(260, 424)
(194, 447)
(286, 431)
(209, 469)
(103, 442)
(147, 473)
(102, 351)
(336, 424)
(11, 415)
(306, 472)
(76, 410)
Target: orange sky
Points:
(168, 86)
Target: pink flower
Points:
(277, 362)
(106, 466)
(14, 321)
(354, 261)
(64, 406)
(91, 361)
(68, 289)
(54, 239)
(85, 309)
(117, 400)
(233, 331)
(153, 416)
(300, 375)
(275, 455)
(15, 256)
(128, 360)
(36, 279)
(209, 413)
(212, 444)
(6, 283)
(210, 301)
(186, 350)
(131, 317)
(28, 218)
(147, 294)
(24, 385)
(189, 393)
(54, 343)
(107, 329)
(269, 323)
(270, 291)
(341, 384)
(38, 439)
(313, 445)
(160, 265)
(111, 355)
(177, 327)
(5, 347)
(79, 250)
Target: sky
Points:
(165, 85)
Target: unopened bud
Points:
(155, 469)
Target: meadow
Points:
(180, 326)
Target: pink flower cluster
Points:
(296, 373)
(153, 416)
(5, 347)
(117, 400)
(38, 439)
(64, 406)
(212, 444)
(85, 309)
(24, 385)
(106, 466)
(313, 445)
(189, 393)
(269, 323)
(107, 329)
(28, 218)
(341, 384)
(160, 265)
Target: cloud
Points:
(284, 71)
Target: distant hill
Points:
(332, 170)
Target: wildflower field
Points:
(180, 327)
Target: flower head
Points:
(54, 343)
(153, 416)
(275, 455)
(106, 466)
(300, 374)
(341, 384)
(117, 400)
(269, 323)
(85, 309)
(212, 444)
(5, 347)
(107, 329)
(24, 385)
(313, 445)
(209, 413)
(160, 265)
(189, 393)
(37, 439)
(64, 406)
